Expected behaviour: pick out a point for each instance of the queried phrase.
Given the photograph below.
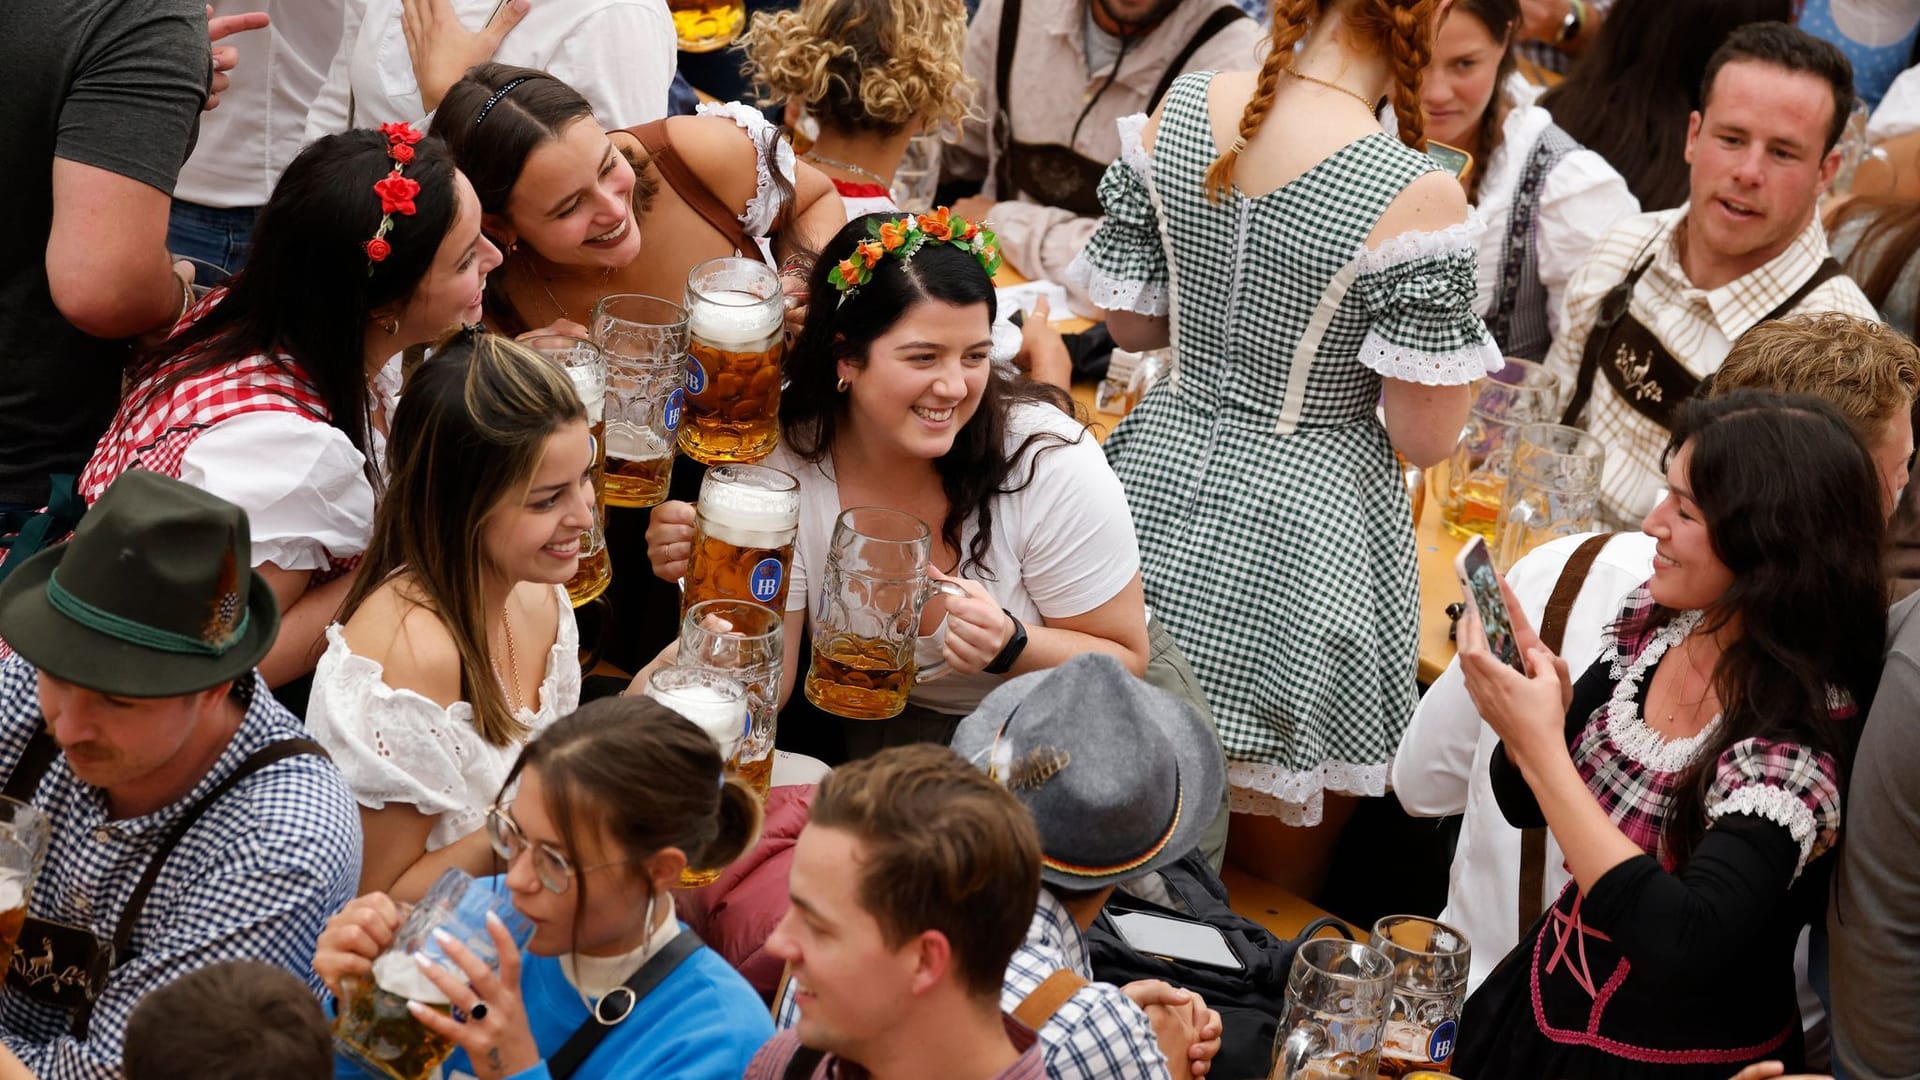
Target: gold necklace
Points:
(546, 286)
(1687, 676)
(513, 661)
(845, 166)
(1304, 77)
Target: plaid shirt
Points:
(1097, 1034)
(1696, 326)
(255, 878)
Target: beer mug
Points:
(1336, 1010)
(747, 642)
(735, 313)
(744, 526)
(374, 1028)
(1474, 478)
(716, 703)
(1553, 489)
(24, 834)
(586, 365)
(706, 25)
(1429, 985)
(645, 342)
(867, 614)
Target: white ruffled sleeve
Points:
(1791, 785)
(1419, 290)
(303, 485)
(1123, 267)
(763, 210)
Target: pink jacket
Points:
(736, 913)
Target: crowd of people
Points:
(290, 499)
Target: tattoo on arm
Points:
(493, 1060)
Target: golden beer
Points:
(706, 25)
(1472, 508)
(745, 525)
(735, 314)
(1397, 1068)
(375, 1029)
(859, 678)
(758, 773)
(15, 917)
(639, 464)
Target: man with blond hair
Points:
(1501, 877)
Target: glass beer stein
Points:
(706, 25)
(1474, 479)
(1553, 489)
(1429, 986)
(24, 834)
(645, 342)
(734, 328)
(716, 703)
(586, 365)
(374, 1028)
(747, 642)
(743, 532)
(1337, 995)
(867, 613)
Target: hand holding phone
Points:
(1481, 583)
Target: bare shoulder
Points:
(720, 152)
(1435, 200)
(396, 629)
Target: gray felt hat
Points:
(1121, 777)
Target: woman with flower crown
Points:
(274, 391)
(892, 402)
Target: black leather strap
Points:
(651, 974)
(1222, 17)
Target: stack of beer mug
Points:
(1473, 481)
(1553, 489)
(1389, 1008)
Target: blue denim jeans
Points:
(216, 237)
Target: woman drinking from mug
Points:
(457, 642)
(273, 396)
(1692, 774)
(612, 802)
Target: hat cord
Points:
(133, 631)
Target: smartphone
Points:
(1481, 582)
(1451, 158)
(1177, 939)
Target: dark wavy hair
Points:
(979, 466)
(1790, 499)
(1629, 97)
(306, 291)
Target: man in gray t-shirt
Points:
(1872, 915)
(103, 102)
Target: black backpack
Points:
(1249, 1001)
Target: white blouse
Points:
(1580, 199)
(397, 746)
(303, 485)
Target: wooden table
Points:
(1435, 549)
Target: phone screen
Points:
(1178, 939)
(1482, 584)
(1451, 158)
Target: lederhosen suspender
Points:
(1056, 175)
(1518, 321)
(1640, 370)
(73, 966)
(1553, 630)
(660, 151)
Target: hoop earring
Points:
(841, 386)
(391, 325)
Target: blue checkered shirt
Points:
(255, 878)
(1097, 1034)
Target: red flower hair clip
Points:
(395, 190)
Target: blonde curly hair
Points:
(864, 65)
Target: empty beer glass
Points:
(867, 613)
(706, 25)
(374, 1028)
(1474, 478)
(744, 641)
(743, 532)
(1553, 489)
(586, 365)
(1337, 995)
(24, 833)
(716, 703)
(645, 342)
(1429, 985)
(735, 313)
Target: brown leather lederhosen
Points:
(1636, 365)
(1049, 173)
(73, 964)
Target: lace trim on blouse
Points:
(1110, 293)
(1775, 804)
(1409, 246)
(1451, 368)
(763, 210)
(1133, 147)
(1296, 796)
(1625, 726)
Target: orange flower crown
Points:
(904, 236)
(396, 191)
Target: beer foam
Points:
(710, 710)
(397, 974)
(749, 517)
(592, 390)
(13, 891)
(632, 442)
(730, 319)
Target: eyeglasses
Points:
(550, 864)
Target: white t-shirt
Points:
(619, 54)
(1062, 545)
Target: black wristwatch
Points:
(1016, 645)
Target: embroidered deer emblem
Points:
(1636, 375)
(40, 968)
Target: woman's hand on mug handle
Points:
(977, 626)
(498, 1040)
(353, 938)
(670, 539)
